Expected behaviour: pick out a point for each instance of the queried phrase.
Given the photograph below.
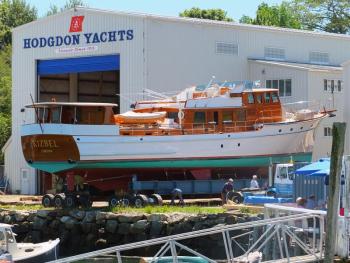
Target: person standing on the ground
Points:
(177, 193)
(228, 187)
(311, 202)
(254, 182)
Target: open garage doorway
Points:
(83, 79)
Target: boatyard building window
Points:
(199, 117)
(258, 98)
(332, 85)
(283, 85)
(327, 131)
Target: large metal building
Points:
(87, 54)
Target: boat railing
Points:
(313, 106)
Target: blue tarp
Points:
(323, 172)
(321, 165)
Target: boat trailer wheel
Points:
(113, 201)
(47, 200)
(70, 201)
(140, 201)
(59, 200)
(155, 199)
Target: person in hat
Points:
(254, 182)
(228, 187)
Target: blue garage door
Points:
(76, 65)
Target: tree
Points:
(325, 15)
(13, 13)
(68, 5)
(5, 132)
(282, 15)
(212, 14)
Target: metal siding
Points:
(305, 185)
(165, 55)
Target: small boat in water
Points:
(11, 251)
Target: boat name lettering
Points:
(77, 39)
(44, 144)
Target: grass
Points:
(23, 207)
(191, 209)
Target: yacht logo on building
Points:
(76, 24)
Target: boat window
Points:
(199, 117)
(283, 173)
(267, 97)
(227, 117)
(291, 173)
(172, 115)
(55, 115)
(9, 236)
(90, 115)
(240, 115)
(250, 98)
(258, 98)
(68, 115)
(274, 97)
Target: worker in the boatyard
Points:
(228, 187)
(254, 182)
(311, 202)
(177, 193)
(79, 182)
(301, 202)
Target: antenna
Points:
(37, 114)
(210, 82)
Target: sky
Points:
(235, 8)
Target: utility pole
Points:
(334, 189)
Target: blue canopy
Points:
(322, 164)
(324, 172)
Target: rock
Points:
(111, 216)
(86, 227)
(123, 228)
(42, 213)
(100, 216)
(125, 218)
(68, 222)
(77, 214)
(31, 217)
(21, 216)
(111, 226)
(220, 221)
(101, 243)
(90, 216)
(22, 228)
(240, 220)
(156, 228)
(139, 227)
(7, 219)
(36, 236)
(39, 223)
(157, 217)
(231, 219)
(54, 224)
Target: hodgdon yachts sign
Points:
(78, 39)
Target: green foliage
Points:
(212, 14)
(324, 15)
(282, 15)
(68, 5)
(13, 13)
(5, 132)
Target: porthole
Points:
(78, 139)
(301, 128)
(239, 144)
(222, 146)
(279, 130)
(229, 135)
(141, 139)
(291, 129)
